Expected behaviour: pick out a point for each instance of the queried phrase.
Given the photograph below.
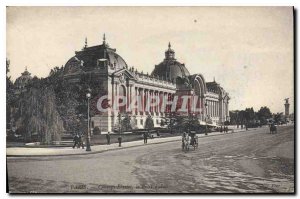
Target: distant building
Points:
(22, 81)
(169, 78)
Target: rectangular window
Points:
(141, 121)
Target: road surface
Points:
(245, 162)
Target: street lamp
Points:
(88, 138)
(205, 118)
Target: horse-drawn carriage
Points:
(189, 139)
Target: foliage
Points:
(97, 131)
(37, 116)
(181, 122)
(9, 95)
(278, 118)
(126, 123)
(263, 114)
(249, 116)
(149, 124)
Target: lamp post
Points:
(205, 118)
(120, 119)
(88, 138)
(120, 128)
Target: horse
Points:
(195, 142)
(185, 143)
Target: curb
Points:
(120, 148)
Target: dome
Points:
(170, 68)
(91, 57)
(23, 79)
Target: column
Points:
(112, 93)
(212, 108)
(165, 100)
(117, 96)
(156, 101)
(130, 96)
(215, 114)
(150, 101)
(146, 92)
(209, 107)
(217, 109)
(142, 100)
(160, 94)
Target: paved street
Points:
(252, 161)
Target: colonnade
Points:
(132, 91)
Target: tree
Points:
(241, 117)
(149, 124)
(192, 122)
(278, 118)
(96, 131)
(126, 123)
(263, 114)
(37, 117)
(9, 96)
(249, 115)
(234, 117)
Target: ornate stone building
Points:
(22, 81)
(169, 78)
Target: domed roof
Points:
(23, 79)
(170, 68)
(91, 57)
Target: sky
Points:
(248, 50)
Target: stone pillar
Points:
(150, 100)
(146, 99)
(142, 99)
(130, 97)
(214, 109)
(135, 100)
(117, 96)
(112, 93)
(218, 109)
(160, 101)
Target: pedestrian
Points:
(79, 141)
(108, 138)
(145, 137)
(226, 129)
(120, 140)
(75, 140)
(221, 129)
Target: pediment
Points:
(124, 73)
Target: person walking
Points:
(108, 138)
(120, 140)
(75, 140)
(145, 135)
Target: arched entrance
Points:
(200, 91)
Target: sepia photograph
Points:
(178, 99)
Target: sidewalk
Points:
(66, 151)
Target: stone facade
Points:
(170, 78)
